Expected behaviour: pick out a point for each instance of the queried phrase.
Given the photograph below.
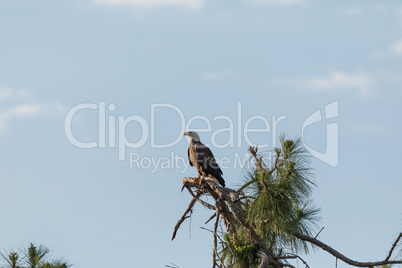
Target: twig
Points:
(218, 211)
(253, 151)
(393, 247)
(338, 255)
(198, 199)
(184, 216)
(293, 256)
(175, 266)
(287, 265)
(243, 197)
(223, 242)
(213, 216)
(319, 232)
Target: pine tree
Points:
(277, 201)
(271, 219)
(32, 257)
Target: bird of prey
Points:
(201, 157)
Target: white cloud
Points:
(22, 110)
(192, 4)
(392, 51)
(278, 2)
(396, 48)
(8, 93)
(218, 76)
(28, 110)
(353, 11)
(17, 109)
(341, 81)
(366, 85)
(5, 93)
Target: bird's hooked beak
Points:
(185, 134)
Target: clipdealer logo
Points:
(112, 133)
(331, 154)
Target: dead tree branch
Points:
(393, 247)
(172, 265)
(342, 257)
(198, 199)
(218, 211)
(231, 212)
(223, 242)
(184, 217)
(211, 218)
(319, 232)
(294, 256)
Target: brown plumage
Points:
(201, 157)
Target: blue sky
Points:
(200, 59)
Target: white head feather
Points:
(192, 135)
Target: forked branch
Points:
(184, 217)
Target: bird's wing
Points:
(189, 158)
(206, 159)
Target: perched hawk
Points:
(201, 157)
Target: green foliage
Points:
(12, 259)
(239, 246)
(33, 257)
(277, 204)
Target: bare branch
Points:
(393, 247)
(170, 266)
(293, 256)
(319, 232)
(218, 211)
(184, 216)
(223, 242)
(213, 216)
(198, 199)
(287, 265)
(243, 197)
(340, 256)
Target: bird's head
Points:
(192, 135)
